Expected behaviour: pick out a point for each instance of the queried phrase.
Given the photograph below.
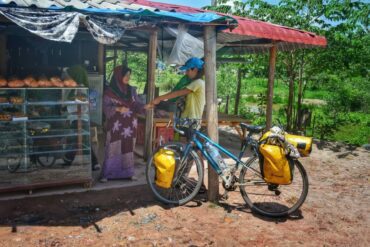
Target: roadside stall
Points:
(45, 116)
(79, 32)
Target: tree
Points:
(345, 24)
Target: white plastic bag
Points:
(185, 47)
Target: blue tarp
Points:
(189, 17)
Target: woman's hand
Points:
(155, 101)
(122, 109)
(149, 106)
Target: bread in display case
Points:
(45, 137)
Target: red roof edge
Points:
(250, 27)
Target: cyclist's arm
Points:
(171, 95)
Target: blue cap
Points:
(192, 63)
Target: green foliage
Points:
(167, 79)
(325, 123)
(135, 60)
(337, 75)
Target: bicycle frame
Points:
(195, 141)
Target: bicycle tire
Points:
(13, 168)
(175, 201)
(44, 164)
(269, 208)
(13, 165)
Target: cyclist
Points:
(194, 91)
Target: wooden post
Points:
(152, 55)
(237, 98)
(270, 89)
(211, 102)
(300, 93)
(101, 68)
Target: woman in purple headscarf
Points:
(120, 105)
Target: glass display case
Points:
(44, 137)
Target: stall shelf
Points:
(44, 138)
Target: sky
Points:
(197, 3)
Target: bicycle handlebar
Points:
(175, 122)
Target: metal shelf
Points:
(48, 103)
(58, 149)
(58, 133)
(41, 88)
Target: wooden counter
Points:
(160, 127)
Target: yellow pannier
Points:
(275, 167)
(302, 143)
(165, 163)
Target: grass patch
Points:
(353, 134)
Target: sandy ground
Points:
(336, 213)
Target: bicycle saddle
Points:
(252, 128)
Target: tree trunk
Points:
(227, 104)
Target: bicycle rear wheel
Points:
(269, 199)
(188, 179)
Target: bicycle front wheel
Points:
(188, 179)
(269, 199)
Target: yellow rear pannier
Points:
(275, 167)
(165, 163)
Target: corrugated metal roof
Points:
(248, 29)
(123, 7)
(251, 28)
(79, 4)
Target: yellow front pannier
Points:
(165, 163)
(275, 166)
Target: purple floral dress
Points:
(121, 130)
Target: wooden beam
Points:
(270, 89)
(237, 98)
(150, 94)
(221, 60)
(211, 103)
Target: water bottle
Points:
(216, 156)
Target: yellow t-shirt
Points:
(195, 101)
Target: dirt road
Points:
(336, 213)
